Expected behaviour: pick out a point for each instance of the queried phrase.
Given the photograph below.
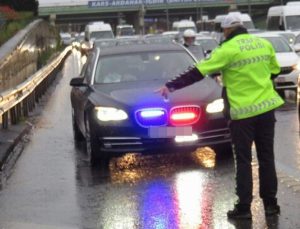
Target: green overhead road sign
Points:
(103, 6)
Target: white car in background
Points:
(296, 45)
(288, 35)
(288, 60)
(66, 38)
(208, 43)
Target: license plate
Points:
(169, 131)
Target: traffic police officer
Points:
(247, 64)
(189, 37)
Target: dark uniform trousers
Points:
(260, 130)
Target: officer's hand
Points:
(164, 91)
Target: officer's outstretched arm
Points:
(186, 78)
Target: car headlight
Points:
(296, 66)
(106, 114)
(216, 106)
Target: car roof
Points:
(268, 34)
(171, 32)
(134, 48)
(279, 32)
(202, 37)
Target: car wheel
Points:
(223, 150)
(94, 156)
(78, 136)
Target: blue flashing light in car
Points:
(152, 113)
(151, 117)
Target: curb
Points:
(11, 147)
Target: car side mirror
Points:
(207, 53)
(77, 82)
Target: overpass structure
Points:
(144, 13)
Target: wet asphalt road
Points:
(53, 187)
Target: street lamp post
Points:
(167, 19)
(249, 7)
(141, 19)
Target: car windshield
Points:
(197, 51)
(105, 42)
(207, 44)
(141, 66)
(102, 34)
(293, 22)
(126, 31)
(279, 44)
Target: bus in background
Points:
(206, 25)
(284, 17)
(125, 30)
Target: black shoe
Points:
(239, 212)
(271, 210)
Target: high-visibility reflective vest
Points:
(246, 63)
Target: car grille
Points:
(184, 115)
(151, 117)
(286, 70)
(178, 116)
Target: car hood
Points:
(142, 94)
(286, 59)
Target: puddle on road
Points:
(135, 167)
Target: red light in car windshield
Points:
(184, 115)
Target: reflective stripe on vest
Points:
(255, 108)
(243, 62)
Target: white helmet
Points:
(232, 19)
(189, 33)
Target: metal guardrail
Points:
(19, 101)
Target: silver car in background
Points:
(288, 60)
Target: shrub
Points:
(22, 5)
(12, 22)
(8, 13)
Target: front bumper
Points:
(287, 81)
(127, 136)
(122, 144)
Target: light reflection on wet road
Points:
(53, 187)
(287, 144)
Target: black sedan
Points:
(116, 110)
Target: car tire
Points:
(94, 156)
(77, 135)
(223, 150)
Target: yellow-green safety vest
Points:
(246, 63)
